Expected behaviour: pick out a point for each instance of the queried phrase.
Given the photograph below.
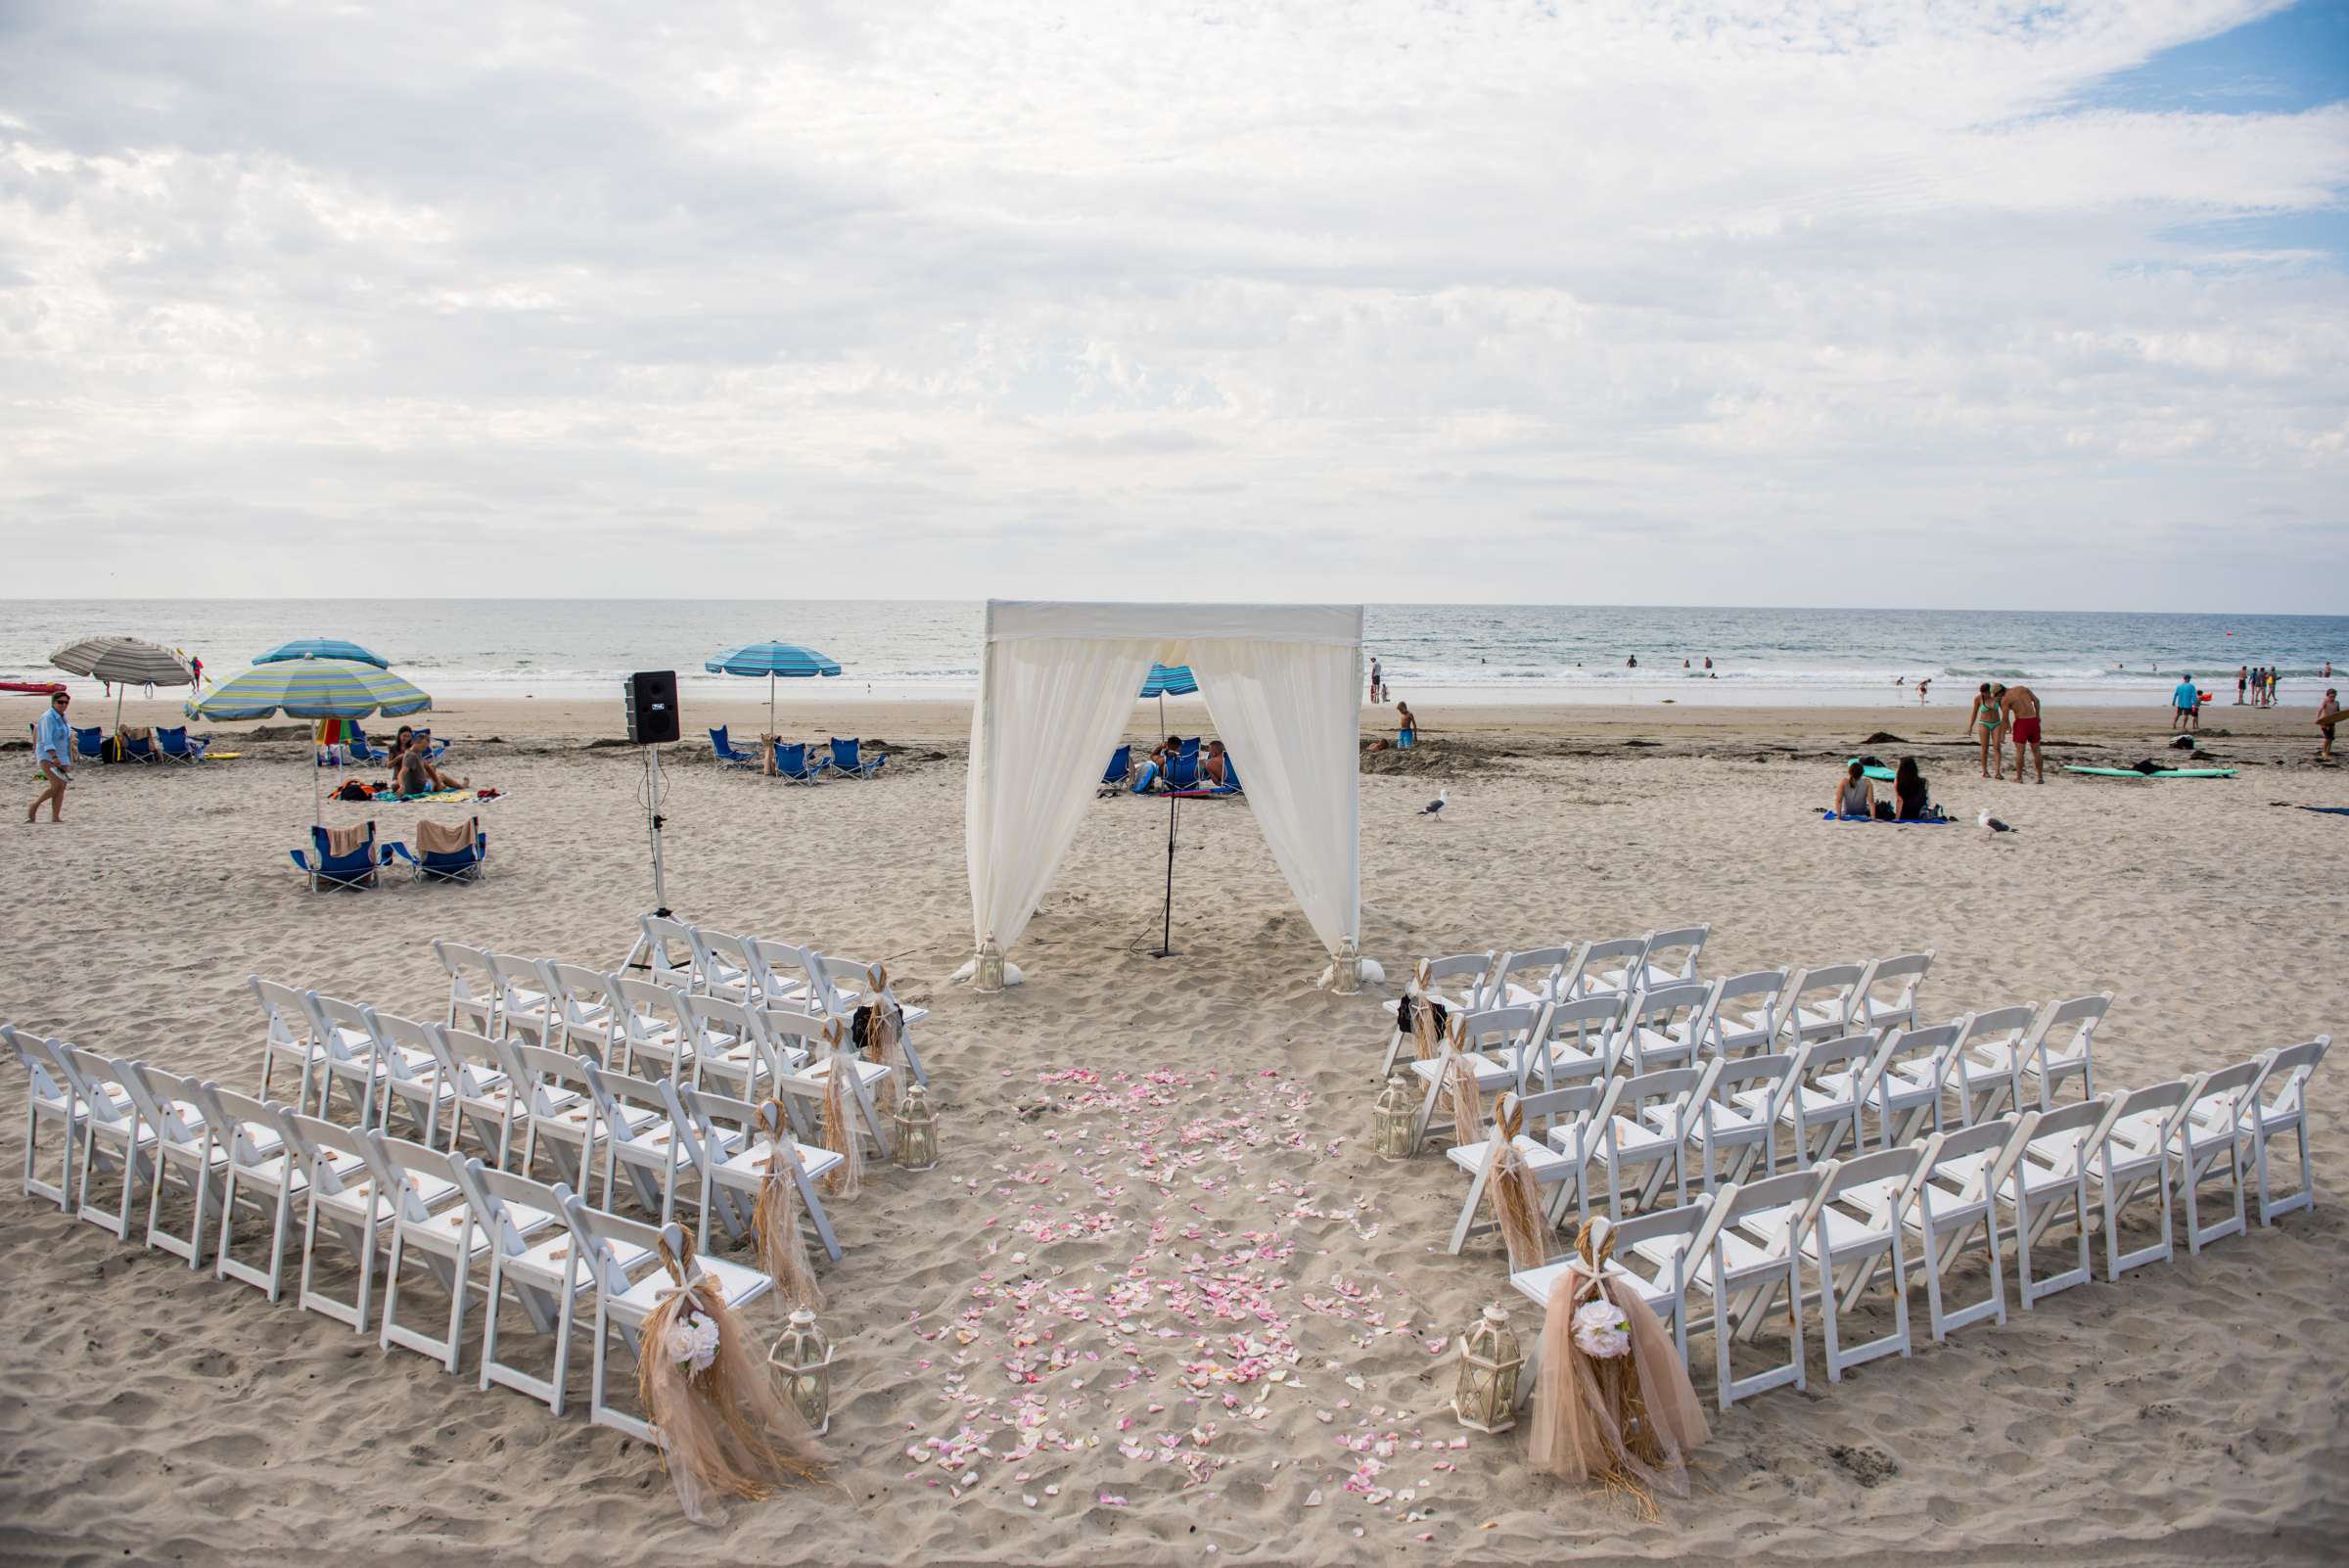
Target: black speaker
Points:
(652, 698)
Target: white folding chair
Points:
(184, 1152)
(1603, 965)
(2134, 1157)
(1574, 1040)
(1905, 1081)
(722, 1048)
(779, 973)
(1654, 1122)
(1887, 993)
(340, 1188)
(717, 967)
(1741, 1117)
(2042, 1172)
(582, 1016)
(1822, 1003)
(1664, 958)
(560, 1109)
(47, 1099)
(1826, 1101)
(2058, 1046)
(525, 1001)
(260, 1171)
(1552, 1167)
(843, 984)
(1463, 973)
(654, 1035)
(432, 1221)
(669, 952)
(288, 1036)
(1666, 1025)
(1660, 1239)
(2281, 1106)
(1530, 978)
(347, 1047)
(416, 1073)
(1743, 1273)
(482, 1098)
(1986, 1070)
(112, 1131)
(727, 1141)
(638, 1139)
(1850, 1243)
(821, 1045)
(472, 986)
(537, 1264)
(1954, 1199)
(2214, 1134)
(1466, 1041)
(616, 1250)
(1746, 1013)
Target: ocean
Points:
(478, 648)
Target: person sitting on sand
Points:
(412, 769)
(1855, 792)
(2329, 714)
(2019, 706)
(1908, 792)
(1213, 765)
(1986, 723)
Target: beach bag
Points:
(1884, 810)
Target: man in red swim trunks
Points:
(2020, 706)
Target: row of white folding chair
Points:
(781, 977)
(1530, 977)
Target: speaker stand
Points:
(1166, 935)
(640, 952)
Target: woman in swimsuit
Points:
(1988, 717)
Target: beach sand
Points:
(1157, 1189)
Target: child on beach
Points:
(1406, 732)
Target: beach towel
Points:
(1825, 816)
(2163, 773)
(447, 837)
(2329, 811)
(342, 840)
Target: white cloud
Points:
(1824, 302)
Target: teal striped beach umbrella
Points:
(771, 659)
(310, 688)
(321, 647)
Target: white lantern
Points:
(917, 1131)
(1394, 1121)
(1486, 1400)
(803, 1357)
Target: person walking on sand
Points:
(53, 754)
(1985, 722)
(2020, 707)
(2185, 706)
(2329, 714)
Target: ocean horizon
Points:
(567, 647)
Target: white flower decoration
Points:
(692, 1341)
(1601, 1329)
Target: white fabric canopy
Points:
(1056, 685)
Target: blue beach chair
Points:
(432, 749)
(468, 865)
(178, 748)
(353, 870)
(721, 746)
(360, 751)
(90, 742)
(1182, 773)
(1114, 777)
(134, 748)
(794, 766)
(845, 759)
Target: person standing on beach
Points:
(2329, 714)
(53, 754)
(2185, 706)
(2242, 676)
(1378, 684)
(1924, 684)
(2020, 707)
(1985, 722)
(1406, 728)
(2271, 685)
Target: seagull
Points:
(1993, 823)
(1435, 804)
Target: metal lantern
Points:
(1486, 1400)
(803, 1357)
(1394, 1121)
(917, 1131)
(1347, 972)
(991, 966)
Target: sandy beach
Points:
(1161, 1301)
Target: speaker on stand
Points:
(650, 697)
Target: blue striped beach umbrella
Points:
(1168, 680)
(321, 647)
(787, 659)
(310, 688)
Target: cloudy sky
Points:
(1881, 301)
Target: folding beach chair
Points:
(1118, 773)
(134, 744)
(356, 743)
(846, 759)
(353, 867)
(722, 746)
(794, 766)
(176, 746)
(90, 742)
(453, 851)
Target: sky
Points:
(2007, 305)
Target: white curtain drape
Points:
(1057, 685)
(1287, 714)
(1050, 711)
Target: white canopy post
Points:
(1056, 688)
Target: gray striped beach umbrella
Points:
(124, 661)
